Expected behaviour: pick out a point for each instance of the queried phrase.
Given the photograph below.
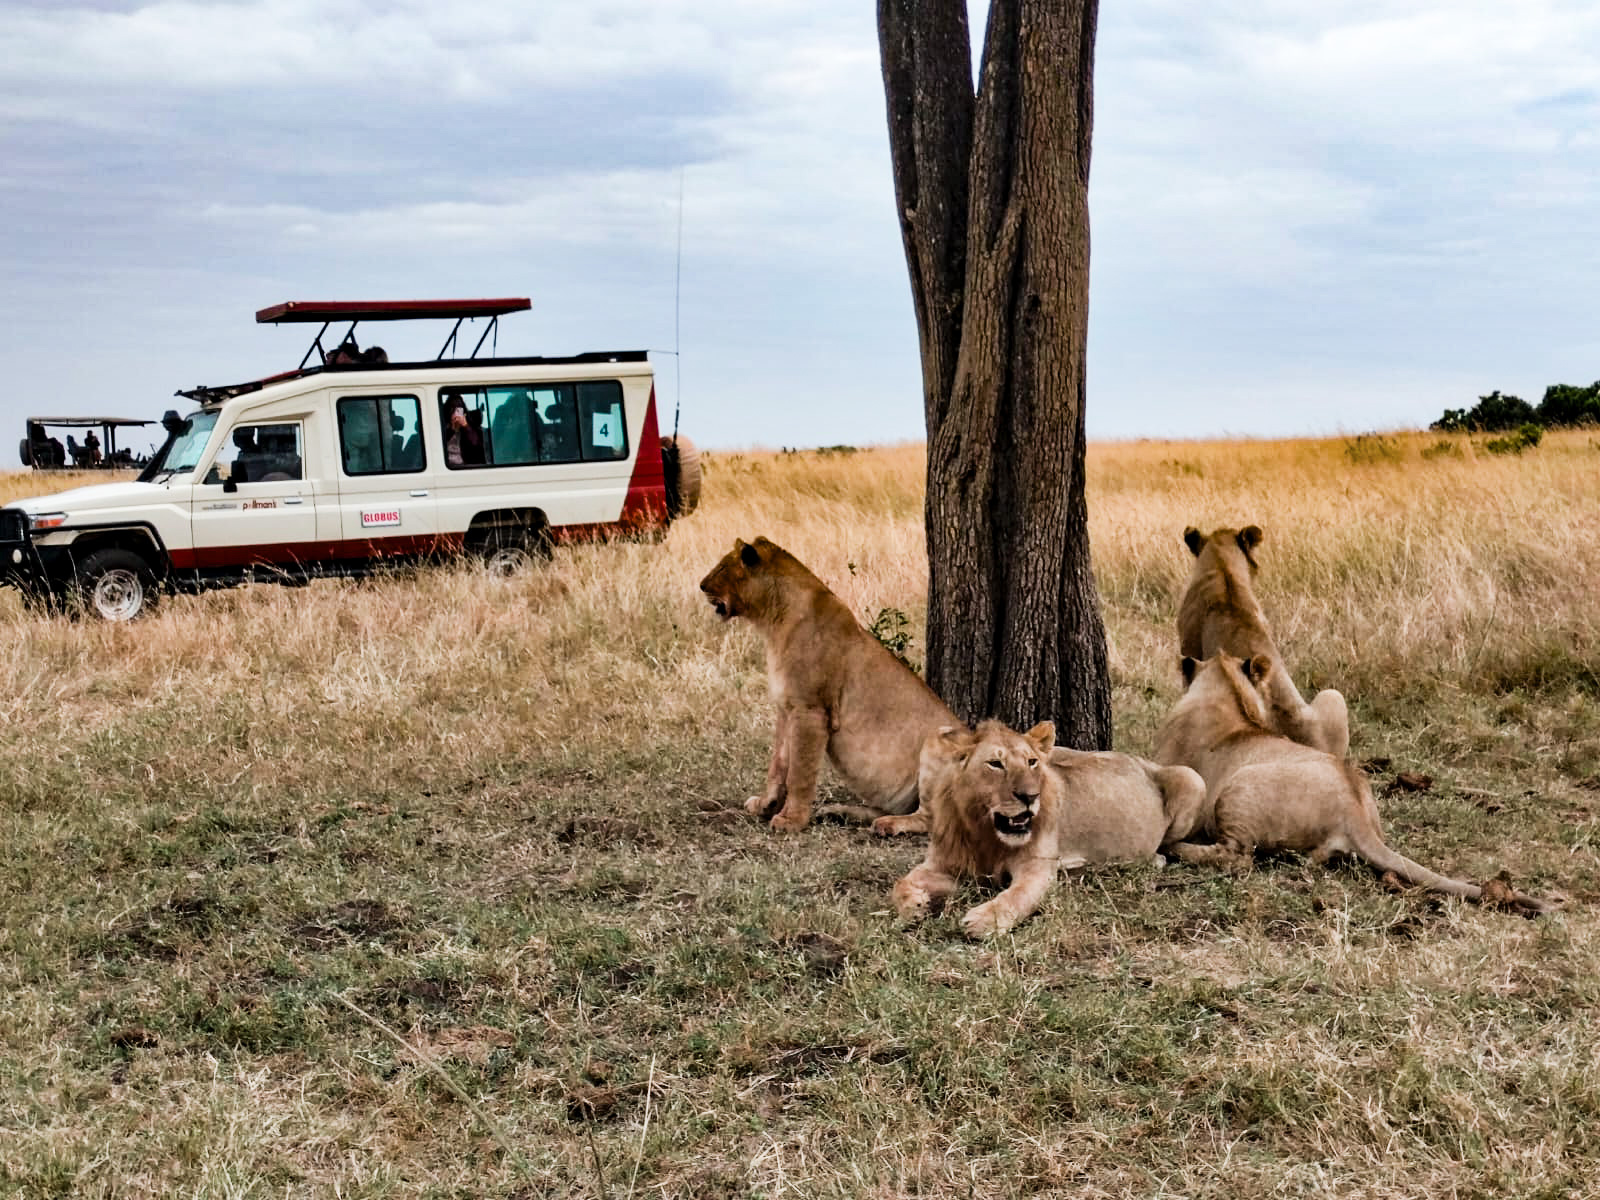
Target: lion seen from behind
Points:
(1219, 612)
(1266, 792)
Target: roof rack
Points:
(206, 395)
(80, 422)
(356, 311)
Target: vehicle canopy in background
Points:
(45, 449)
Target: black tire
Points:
(511, 549)
(680, 459)
(116, 585)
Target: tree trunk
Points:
(992, 189)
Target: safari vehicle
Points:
(44, 449)
(351, 462)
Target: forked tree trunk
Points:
(993, 194)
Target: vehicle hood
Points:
(96, 497)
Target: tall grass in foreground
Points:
(495, 814)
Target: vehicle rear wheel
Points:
(509, 551)
(116, 585)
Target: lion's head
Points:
(992, 776)
(1219, 610)
(1227, 546)
(1219, 701)
(741, 584)
(1227, 684)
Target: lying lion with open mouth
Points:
(1015, 808)
(1265, 792)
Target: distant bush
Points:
(1442, 448)
(1563, 405)
(1525, 438)
(1491, 414)
(1370, 449)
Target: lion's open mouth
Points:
(720, 606)
(1017, 826)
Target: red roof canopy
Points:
(387, 310)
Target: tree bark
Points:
(992, 188)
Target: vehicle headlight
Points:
(37, 521)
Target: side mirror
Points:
(230, 485)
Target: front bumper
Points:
(21, 564)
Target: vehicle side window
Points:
(461, 427)
(260, 454)
(380, 435)
(555, 423)
(601, 421)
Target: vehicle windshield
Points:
(183, 449)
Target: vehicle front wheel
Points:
(116, 585)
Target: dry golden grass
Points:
(473, 807)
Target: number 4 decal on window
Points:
(608, 430)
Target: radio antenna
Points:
(677, 318)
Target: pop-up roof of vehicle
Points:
(305, 311)
(355, 311)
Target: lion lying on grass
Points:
(1265, 792)
(1220, 613)
(835, 688)
(1015, 808)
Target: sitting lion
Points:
(1220, 613)
(1006, 806)
(834, 686)
(1266, 792)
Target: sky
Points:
(1307, 218)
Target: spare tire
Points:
(27, 453)
(680, 460)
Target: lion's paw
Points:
(893, 826)
(758, 806)
(986, 920)
(787, 822)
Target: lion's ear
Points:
(1043, 736)
(749, 555)
(1194, 539)
(1256, 668)
(955, 740)
(1249, 538)
(1190, 666)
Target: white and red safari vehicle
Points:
(355, 462)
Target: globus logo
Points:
(382, 516)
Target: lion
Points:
(835, 688)
(1016, 808)
(1267, 792)
(1220, 612)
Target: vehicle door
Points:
(255, 504)
(386, 508)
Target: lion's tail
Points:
(1368, 840)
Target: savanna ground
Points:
(437, 886)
